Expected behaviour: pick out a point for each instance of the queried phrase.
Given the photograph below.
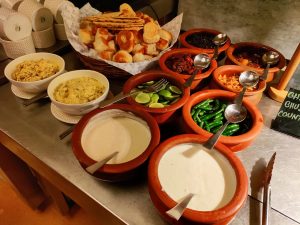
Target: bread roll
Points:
(122, 57)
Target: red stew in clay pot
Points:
(217, 178)
(119, 127)
(160, 108)
(179, 63)
(202, 39)
(237, 142)
(249, 55)
(227, 78)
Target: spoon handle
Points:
(177, 211)
(189, 81)
(266, 71)
(213, 140)
(94, 167)
(216, 50)
(239, 99)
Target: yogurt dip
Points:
(190, 168)
(115, 130)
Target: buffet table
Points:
(31, 133)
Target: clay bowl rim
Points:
(151, 75)
(122, 167)
(229, 209)
(184, 35)
(233, 47)
(162, 63)
(236, 69)
(256, 116)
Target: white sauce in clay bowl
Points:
(189, 168)
(115, 130)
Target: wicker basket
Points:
(106, 69)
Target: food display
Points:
(201, 39)
(211, 179)
(209, 115)
(231, 81)
(250, 56)
(125, 36)
(78, 90)
(163, 98)
(181, 63)
(34, 70)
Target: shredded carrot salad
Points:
(232, 82)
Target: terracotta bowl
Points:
(253, 96)
(161, 115)
(251, 49)
(234, 143)
(199, 77)
(183, 39)
(163, 202)
(121, 171)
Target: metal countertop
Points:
(37, 130)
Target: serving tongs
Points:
(267, 191)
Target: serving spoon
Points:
(247, 79)
(233, 114)
(270, 58)
(218, 40)
(201, 61)
(94, 167)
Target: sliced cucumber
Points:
(175, 90)
(156, 105)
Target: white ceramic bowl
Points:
(78, 109)
(34, 86)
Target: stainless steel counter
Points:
(37, 131)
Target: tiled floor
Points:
(14, 211)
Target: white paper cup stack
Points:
(55, 6)
(41, 18)
(15, 33)
(11, 4)
(14, 49)
(13, 26)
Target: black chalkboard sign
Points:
(288, 117)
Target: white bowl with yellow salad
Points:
(33, 72)
(78, 92)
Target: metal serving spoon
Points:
(94, 167)
(218, 40)
(233, 114)
(201, 61)
(270, 58)
(246, 79)
(177, 211)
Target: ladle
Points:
(270, 58)
(218, 40)
(94, 167)
(201, 61)
(233, 114)
(247, 79)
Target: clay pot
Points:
(253, 96)
(221, 49)
(161, 115)
(163, 202)
(199, 77)
(254, 48)
(234, 143)
(122, 171)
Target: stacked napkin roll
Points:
(55, 6)
(15, 32)
(11, 4)
(42, 23)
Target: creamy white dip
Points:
(115, 130)
(188, 168)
